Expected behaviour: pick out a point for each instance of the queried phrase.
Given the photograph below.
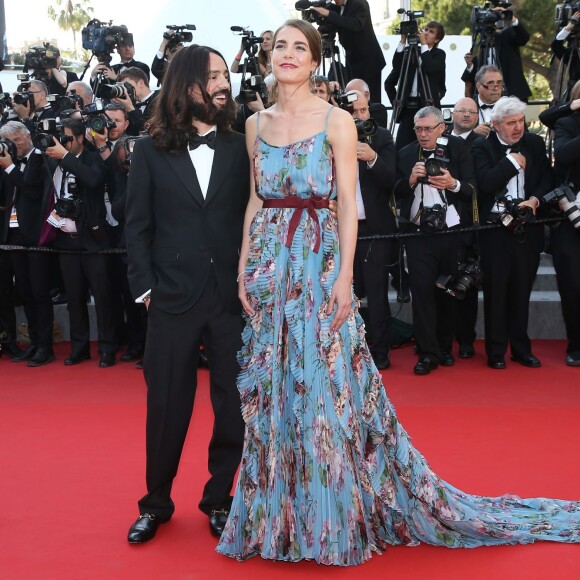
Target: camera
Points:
(410, 27)
(325, 28)
(468, 276)
(440, 159)
(565, 197)
(40, 58)
(5, 104)
(513, 217)
(24, 98)
(94, 117)
(433, 219)
(7, 147)
(103, 38)
(177, 35)
(565, 13)
(249, 87)
(365, 129)
(61, 103)
(109, 92)
(69, 207)
(345, 100)
(250, 83)
(484, 20)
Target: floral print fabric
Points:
(327, 472)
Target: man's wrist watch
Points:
(102, 148)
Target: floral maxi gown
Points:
(328, 473)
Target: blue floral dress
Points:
(328, 473)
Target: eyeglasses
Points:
(491, 84)
(463, 111)
(425, 129)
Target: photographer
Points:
(264, 56)
(513, 173)
(364, 55)
(30, 104)
(376, 177)
(377, 111)
(138, 112)
(414, 95)
(57, 78)
(568, 55)
(506, 55)
(430, 203)
(25, 205)
(565, 237)
(489, 88)
(79, 216)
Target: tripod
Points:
(330, 51)
(411, 56)
(568, 69)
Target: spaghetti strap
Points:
(326, 118)
(258, 125)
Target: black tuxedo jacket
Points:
(28, 198)
(507, 46)
(137, 118)
(364, 55)
(377, 183)
(460, 166)
(174, 236)
(567, 148)
(433, 65)
(121, 65)
(493, 169)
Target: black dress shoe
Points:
(11, 349)
(496, 363)
(382, 361)
(446, 359)
(26, 354)
(217, 521)
(76, 359)
(59, 298)
(133, 353)
(425, 366)
(403, 296)
(466, 351)
(139, 364)
(42, 356)
(527, 360)
(107, 360)
(144, 529)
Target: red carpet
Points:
(72, 468)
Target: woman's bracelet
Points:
(239, 276)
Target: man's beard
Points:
(209, 113)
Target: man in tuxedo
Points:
(489, 85)
(566, 49)
(411, 96)
(506, 55)
(377, 111)
(430, 256)
(138, 113)
(24, 205)
(364, 55)
(186, 197)
(511, 164)
(376, 177)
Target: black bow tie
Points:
(484, 106)
(427, 152)
(196, 140)
(23, 161)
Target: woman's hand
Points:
(341, 296)
(244, 297)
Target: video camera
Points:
(177, 35)
(39, 59)
(250, 83)
(484, 20)
(102, 38)
(565, 198)
(325, 28)
(410, 27)
(565, 13)
(469, 275)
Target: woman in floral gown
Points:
(327, 472)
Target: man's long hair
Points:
(171, 122)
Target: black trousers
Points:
(509, 268)
(32, 275)
(170, 366)
(434, 311)
(80, 273)
(566, 256)
(466, 317)
(405, 132)
(371, 279)
(7, 313)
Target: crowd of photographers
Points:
(65, 154)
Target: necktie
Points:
(23, 161)
(484, 106)
(196, 140)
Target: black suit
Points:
(372, 257)
(433, 66)
(566, 239)
(509, 60)
(509, 262)
(567, 51)
(120, 66)
(431, 256)
(364, 55)
(185, 249)
(140, 115)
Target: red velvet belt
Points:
(310, 204)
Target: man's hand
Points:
(532, 203)
(443, 181)
(5, 161)
(575, 105)
(125, 101)
(519, 159)
(324, 12)
(108, 73)
(483, 129)
(364, 152)
(468, 59)
(23, 111)
(422, 39)
(417, 172)
(573, 22)
(257, 105)
(57, 151)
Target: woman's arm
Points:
(343, 139)
(254, 204)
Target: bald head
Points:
(465, 115)
(360, 107)
(359, 85)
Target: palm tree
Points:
(71, 16)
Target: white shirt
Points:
(484, 114)
(202, 159)
(515, 186)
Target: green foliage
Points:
(71, 16)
